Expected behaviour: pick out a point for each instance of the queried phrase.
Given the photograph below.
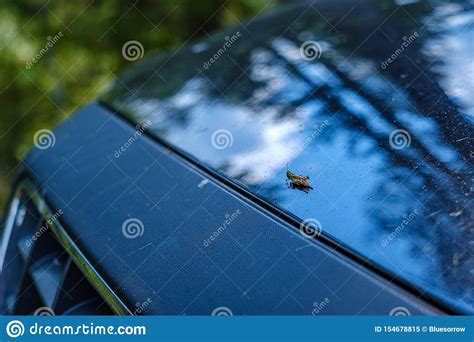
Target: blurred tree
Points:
(78, 46)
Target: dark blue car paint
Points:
(257, 265)
(383, 68)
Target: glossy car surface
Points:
(381, 122)
(194, 147)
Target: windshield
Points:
(378, 116)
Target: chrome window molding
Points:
(27, 187)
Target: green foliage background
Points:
(86, 58)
